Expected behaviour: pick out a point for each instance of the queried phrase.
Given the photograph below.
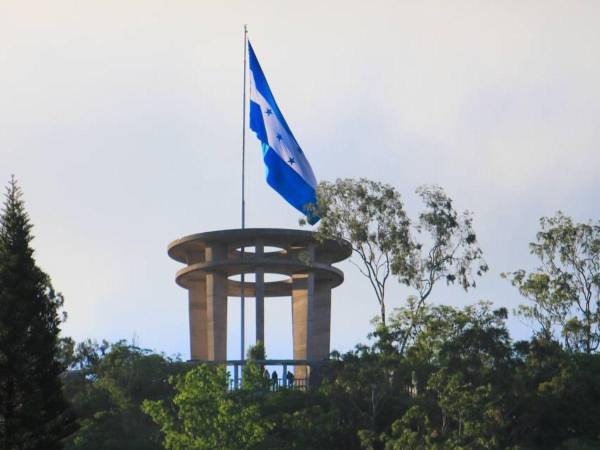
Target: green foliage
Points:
(460, 364)
(254, 377)
(453, 252)
(478, 390)
(256, 352)
(302, 420)
(33, 411)
(411, 432)
(564, 292)
(557, 395)
(461, 383)
(368, 385)
(203, 415)
(433, 377)
(371, 217)
(107, 385)
(440, 245)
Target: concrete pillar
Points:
(260, 295)
(198, 321)
(216, 306)
(197, 311)
(321, 320)
(303, 288)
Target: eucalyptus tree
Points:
(564, 291)
(370, 216)
(444, 248)
(439, 245)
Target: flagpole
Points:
(242, 297)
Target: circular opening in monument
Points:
(268, 249)
(251, 277)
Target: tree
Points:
(367, 385)
(411, 432)
(449, 251)
(253, 377)
(371, 217)
(33, 411)
(557, 397)
(204, 415)
(107, 384)
(564, 291)
(463, 364)
(440, 245)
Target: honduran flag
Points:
(287, 169)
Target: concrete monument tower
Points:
(213, 258)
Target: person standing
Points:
(290, 379)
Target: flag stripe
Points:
(261, 85)
(257, 124)
(288, 183)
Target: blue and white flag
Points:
(287, 169)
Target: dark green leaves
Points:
(33, 411)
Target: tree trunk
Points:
(588, 330)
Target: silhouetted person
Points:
(274, 380)
(290, 379)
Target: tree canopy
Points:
(431, 377)
(107, 385)
(564, 292)
(33, 411)
(440, 244)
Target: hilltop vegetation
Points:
(460, 384)
(431, 377)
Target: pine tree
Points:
(33, 411)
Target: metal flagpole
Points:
(243, 300)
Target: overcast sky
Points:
(122, 122)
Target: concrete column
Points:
(216, 306)
(260, 295)
(321, 323)
(302, 298)
(197, 311)
(198, 321)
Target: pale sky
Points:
(122, 122)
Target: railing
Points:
(300, 384)
(283, 380)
